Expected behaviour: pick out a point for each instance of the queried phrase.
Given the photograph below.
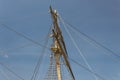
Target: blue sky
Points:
(99, 19)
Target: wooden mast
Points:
(59, 48)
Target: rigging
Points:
(11, 71)
(92, 41)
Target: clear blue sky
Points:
(99, 19)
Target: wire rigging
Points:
(22, 35)
(13, 49)
(84, 67)
(92, 41)
(37, 67)
(80, 52)
(15, 74)
(4, 74)
(34, 76)
(16, 48)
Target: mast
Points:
(59, 48)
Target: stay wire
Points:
(80, 52)
(17, 48)
(84, 67)
(22, 35)
(7, 68)
(94, 41)
(4, 74)
(34, 76)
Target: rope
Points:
(40, 57)
(52, 71)
(15, 74)
(84, 67)
(22, 35)
(80, 52)
(34, 76)
(4, 74)
(3, 52)
(92, 41)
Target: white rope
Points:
(4, 74)
(8, 69)
(95, 43)
(80, 52)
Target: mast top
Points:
(60, 47)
